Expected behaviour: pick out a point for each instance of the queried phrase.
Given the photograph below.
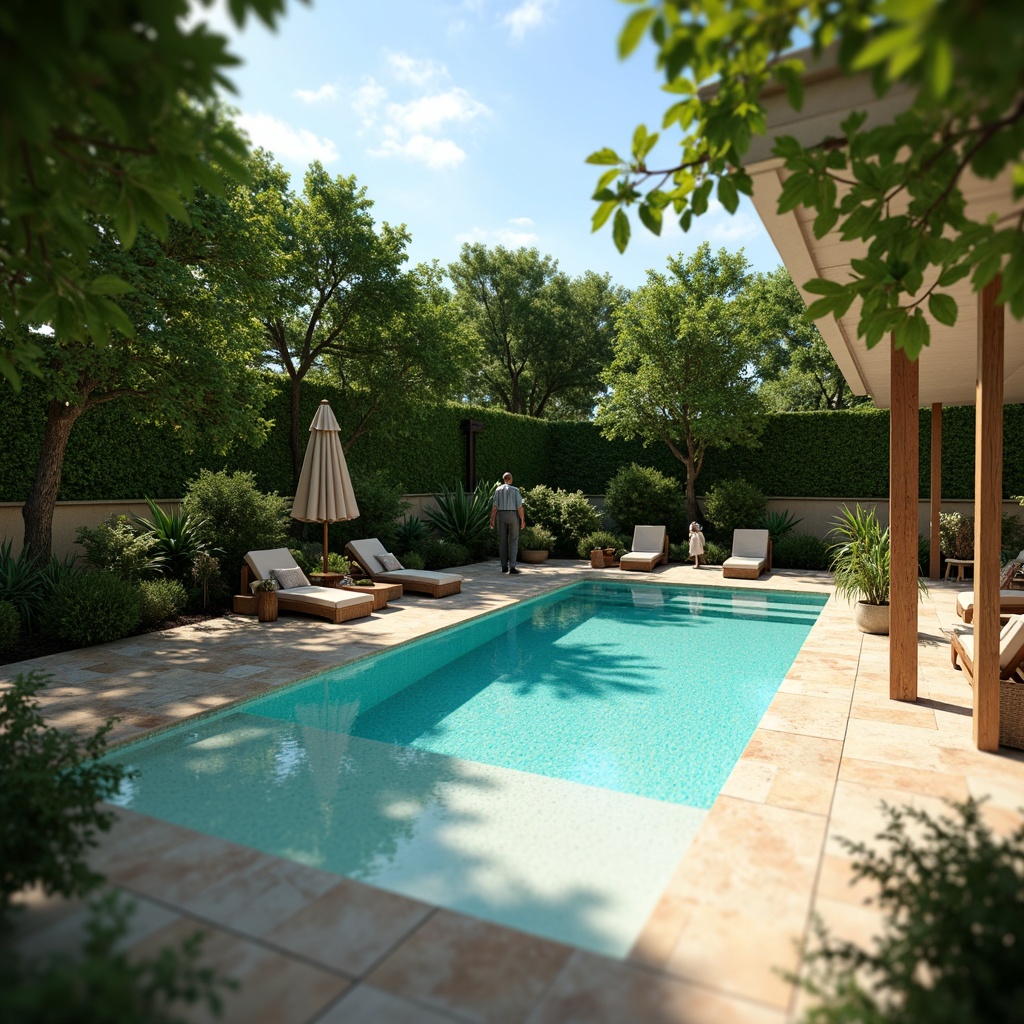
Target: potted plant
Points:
(266, 600)
(860, 567)
(535, 544)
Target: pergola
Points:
(979, 361)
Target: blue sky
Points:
(470, 120)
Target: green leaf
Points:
(651, 217)
(634, 29)
(940, 67)
(885, 46)
(601, 214)
(620, 230)
(943, 308)
(605, 156)
(727, 194)
(109, 284)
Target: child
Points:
(696, 544)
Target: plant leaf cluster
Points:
(897, 187)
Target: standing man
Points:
(507, 508)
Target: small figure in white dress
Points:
(696, 544)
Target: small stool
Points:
(961, 564)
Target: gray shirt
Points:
(507, 498)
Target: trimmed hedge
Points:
(112, 456)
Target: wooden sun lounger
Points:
(961, 648)
(423, 581)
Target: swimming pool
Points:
(545, 766)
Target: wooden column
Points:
(935, 489)
(988, 507)
(903, 494)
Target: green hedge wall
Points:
(113, 456)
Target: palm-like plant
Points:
(860, 558)
(461, 517)
(177, 539)
(778, 524)
(27, 581)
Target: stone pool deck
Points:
(309, 946)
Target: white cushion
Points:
(389, 563)
(421, 575)
(289, 579)
(647, 539)
(327, 597)
(738, 562)
(750, 544)
(262, 562)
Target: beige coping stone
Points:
(807, 715)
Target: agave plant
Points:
(411, 533)
(461, 517)
(778, 524)
(177, 539)
(28, 581)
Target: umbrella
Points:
(324, 493)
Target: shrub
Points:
(10, 626)
(597, 539)
(380, 506)
(952, 894)
(536, 538)
(237, 517)
(50, 802)
(800, 551)
(206, 575)
(715, 554)
(956, 535)
(161, 599)
(639, 495)
(679, 552)
(411, 533)
(1013, 536)
(578, 517)
(309, 556)
(543, 508)
(28, 583)
(734, 505)
(442, 554)
(116, 546)
(413, 560)
(92, 608)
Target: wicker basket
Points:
(266, 606)
(1011, 713)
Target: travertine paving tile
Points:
(460, 964)
(807, 715)
(350, 928)
(365, 1004)
(593, 990)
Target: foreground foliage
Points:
(953, 897)
(963, 115)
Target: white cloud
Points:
(501, 236)
(285, 141)
(530, 14)
(413, 130)
(428, 113)
(325, 92)
(367, 100)
(415, 72)
(437, 154)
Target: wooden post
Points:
(988, 507)
(903, 495)
(935, 489)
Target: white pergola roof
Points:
(948, 366)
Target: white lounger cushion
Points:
(738, 562)
(1011, 639)
(750, 544)
(369, 551)
(261, 562)
(648, 540)
(1009, 600)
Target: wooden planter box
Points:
(244, 604)
(266, 606)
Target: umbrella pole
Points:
(325, 547)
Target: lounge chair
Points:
(368, 553)
(1011, 602)
(751, 555)
(1011, 648)
(335, 605)
(650, 547)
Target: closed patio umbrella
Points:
(324, 493)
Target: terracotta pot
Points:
(871, 618)
(266, 606)
(533, 556)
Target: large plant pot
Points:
(266, 606)
(871, 618)
(533, 556)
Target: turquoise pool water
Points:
(544, 766)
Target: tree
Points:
(961, 62)
(334, 294)
(191, 364)
(542, 338)
(681, 372)
(793, 363)
(106, 124)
